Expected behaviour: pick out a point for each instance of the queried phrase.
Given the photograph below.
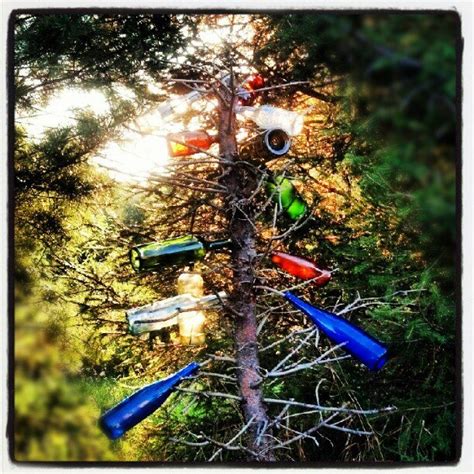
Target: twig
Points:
(268, 288)
(222, 376)
(207, 394)
(347, 430)
(304, 434)
(222, 358)
(289, 336)
(297, 225)
(229, 443)
(331, 409)
(190, 443)
(301, 435)
(279, 86)
(230, 448)
(293, 352)
(320, 360)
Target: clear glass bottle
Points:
(178, 106)
(164, 313)
(268, 117)
(276, 142)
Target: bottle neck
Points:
(217, 244)
(214, 138)
(245, 109)
(214, 299)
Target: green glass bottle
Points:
(185, 249)
(284, 193)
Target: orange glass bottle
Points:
(188, 143)
(301, 268)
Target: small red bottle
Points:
(249, 86)
(187, 142)
(300, 267)
(255, 82)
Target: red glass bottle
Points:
(300, 267)
(247, 90)
(187, 143)
(255, 82)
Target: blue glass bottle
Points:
(142, 403)
(361, 345)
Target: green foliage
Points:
(54, 420)
(95, 50)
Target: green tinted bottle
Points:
(185, 249)
(284, 193)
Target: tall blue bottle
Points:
(142, 403)
(361, 345)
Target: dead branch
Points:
(320, 360)
(234, 438)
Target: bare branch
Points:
(208, 394)
(189, 443)
(289, 336)
(320, 360)
(347, 430)
(237, 436)
(293, 352)
(389, 409)
(222, 376)
(279, 86)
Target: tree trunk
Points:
(241, 182)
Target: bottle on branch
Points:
(246, 91)
(167, 312)
(185, 249)
(301, 268)
(189, 143)
(276, 142)
(178, 106)
(135, 408)
(284, 193)
(357, 342)
(268, 117)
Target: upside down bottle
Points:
(185, 249)
(357, 342)
(300, 267)
(135, 408)
(285, 194)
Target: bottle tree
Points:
(245, 195)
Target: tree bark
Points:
(240, 183)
